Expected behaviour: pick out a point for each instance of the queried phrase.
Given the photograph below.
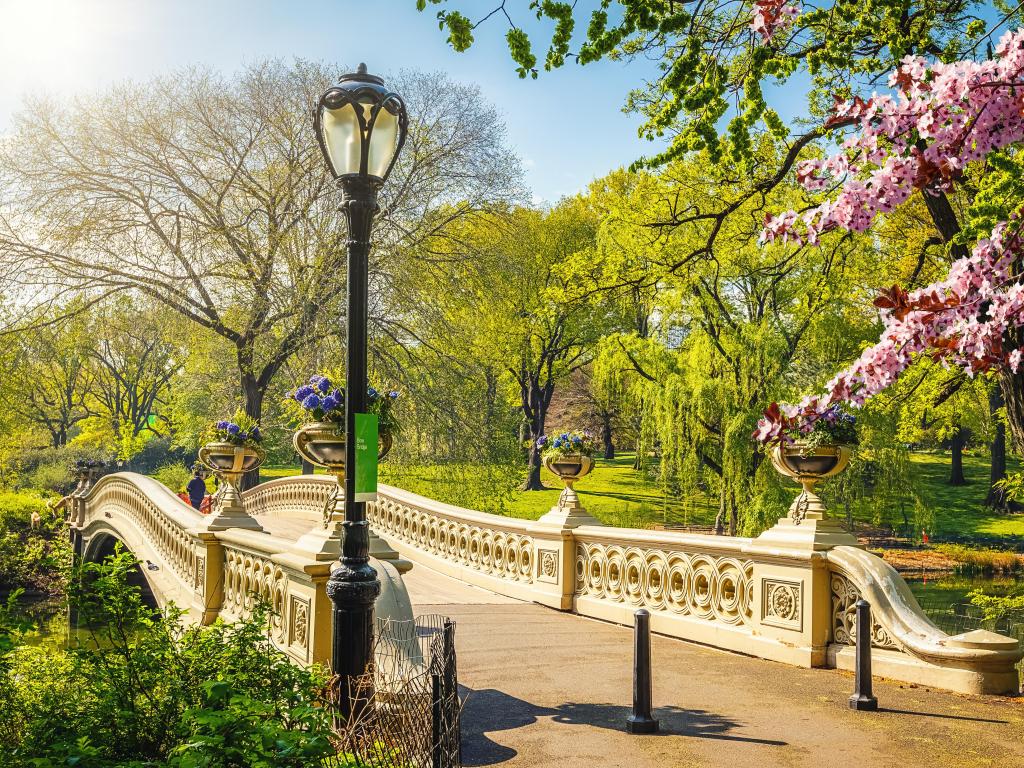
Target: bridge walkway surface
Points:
(546, 688)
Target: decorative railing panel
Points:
(692, 584)
(290, 497)
(250, 579)
(165, 530)
(504, 549)
(844, 616)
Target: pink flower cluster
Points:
(942, 117)
(770, 16)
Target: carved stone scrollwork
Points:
(781, 603)
(548, 565)
(844, 616)
(249, 578)
(500, 553)
(200, 582)
(171, 541)
(700, 585)
(276, 498)
(298, 634)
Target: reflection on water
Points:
(49, 618)
(946, 600)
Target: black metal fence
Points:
(958, 617)
(412, 717)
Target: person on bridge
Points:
(196, 489)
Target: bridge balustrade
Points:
(788, 595)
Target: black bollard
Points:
(641, 720)
(862, 699)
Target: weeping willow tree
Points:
(729, 330)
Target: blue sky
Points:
(567, 125)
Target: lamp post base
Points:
(641, 725)
(353, 590)
(863, 703)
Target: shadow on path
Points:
(675, 721)
(944, 717)
(488, 711)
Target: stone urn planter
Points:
(568, 512)
(323, 443)
(229, 462)
(569, 469)
(809, 466)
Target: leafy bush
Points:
(140, 690)
(156, 453)
(174, 476)
(34, 559)
(972, 560)
(999, 607)
(51, 469)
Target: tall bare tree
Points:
(208, 194)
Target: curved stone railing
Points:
(146, 514)
(213, 573)
(977, 661)
(302, 498)
(787, 595)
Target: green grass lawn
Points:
(616, 494)
(960, 509)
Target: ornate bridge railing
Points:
(209, 573)
(787, 595)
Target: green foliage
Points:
(999, 607)
(36, 559)
(141, 689)
(175, 476)
(241, 429)
(571, 443)
(972, 560)
(49, 469)
(709, 94)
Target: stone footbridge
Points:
(787, 596)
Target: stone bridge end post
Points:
(554, 566)
(792, 592)
(208, 581)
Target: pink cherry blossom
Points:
(961, 111)
(770, 16)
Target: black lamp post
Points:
(361, 127)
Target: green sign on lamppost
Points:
(361, 127)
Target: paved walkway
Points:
(545, 688)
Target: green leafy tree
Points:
(248, 243)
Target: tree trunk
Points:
(720, 517)
(252, 404)
(997, 468)
(1011, 386)
(956, 447)
(606, 435)
(535, 427)
(307, 467)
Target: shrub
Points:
(51, 469)
(140, 690)
(33, 559)
(973, 560)
(156, 453)
(174, 476)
